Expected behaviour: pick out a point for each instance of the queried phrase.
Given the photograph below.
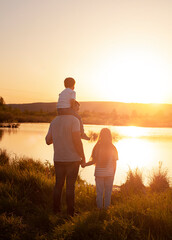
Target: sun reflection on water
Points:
(132, 131)
(135, 152)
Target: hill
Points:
(105, 107)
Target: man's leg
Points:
(60, 178)
(72, 173)
(99, 190)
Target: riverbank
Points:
(26, 212)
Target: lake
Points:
(138, 147)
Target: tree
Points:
(2, 102)
(134, 114)
(159, 114)
(114, 114)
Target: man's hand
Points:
(78, 146)
(83, 163)
(48, 139)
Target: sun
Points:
(132, 76)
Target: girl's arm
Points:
(90, 163)
(92, 158)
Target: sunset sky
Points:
(117, 50)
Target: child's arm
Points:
(90, 163)
(93, 159)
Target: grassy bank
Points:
(26, 186)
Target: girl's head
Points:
(105, 136)
(103, 149)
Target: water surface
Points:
(138, 147)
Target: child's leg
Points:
(83, 135)
(80, 120)
(108, 190)
(70, 111)
(64, 111)
(99, 190)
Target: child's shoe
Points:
(84, 136)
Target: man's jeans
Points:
(68, 171)
(104, 185)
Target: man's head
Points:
(69, 83)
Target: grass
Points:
(4, 158)
(134, 182)
(26, 188)
(159, 181)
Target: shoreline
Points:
(9, 125)
(16, 125)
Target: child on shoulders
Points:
(66, 101)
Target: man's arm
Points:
(78, 146)
(48, 138)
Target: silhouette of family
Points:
(65, 133)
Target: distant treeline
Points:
(9, 114)
(135, 118)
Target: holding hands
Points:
(83, 165)
(83, 162)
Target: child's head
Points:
(105, 136)
(69, 83)
(103, 147)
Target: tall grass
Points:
(26, 188)
(4, 158)
(159, 181)
(134, 182)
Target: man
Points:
(64, 133)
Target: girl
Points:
(104, 156)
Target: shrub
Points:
(159, 181)
(11, 227)
(4, 158)
(94, 136)
(134, 182)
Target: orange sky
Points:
(117, 50)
